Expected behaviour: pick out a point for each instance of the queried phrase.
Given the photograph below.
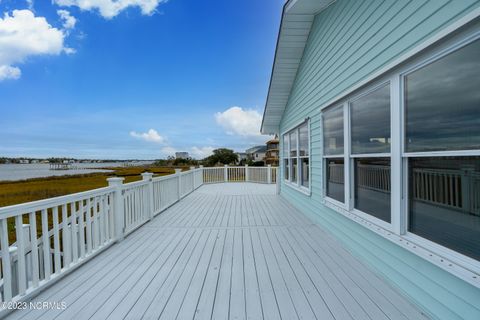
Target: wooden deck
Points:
(226, 251)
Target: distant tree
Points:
(185, 162)
(221, 156)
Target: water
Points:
(14, 172)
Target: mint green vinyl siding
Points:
(348, 42)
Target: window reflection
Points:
(335, 179)
(293, 144)
(305, 172)
(303, 140)
(372, 187)
(443, 103)
(285, 169)
(293, 171)
(333, 131)
(445, 202)
(370, 118)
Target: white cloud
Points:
(201, 153)
(169, 151)
(110, 8)
(23, 35)
(237, 121)
(9, 72)
(150, 136)
(194, 152)
(69, 21)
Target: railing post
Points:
(269, 174)
(193, 177)
(225, 172)
(148, 176)
(118, 213)
(179, 181)
(246, 173)
(201, 170)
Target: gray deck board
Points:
(226, 251)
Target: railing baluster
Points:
(67, 258)
(34, 248)
(6, 265)
(74, 238)
(95, 223)
(46, 245)
(105, 218)
(56, 241)
(81, 229)
(21, 264)
(88, 227)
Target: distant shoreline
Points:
(20, 172)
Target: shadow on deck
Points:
(226, 251)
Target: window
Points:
(333, 140)
(413, 140)
(442, 114)
(370, 134)
(333, 131)
(335, 187)
(303, 154)
(370, 120)
(372, 187)
(286, 148)
(293, 156)
(296, 156)
(442, 103)
(444, 202)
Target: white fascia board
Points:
(291, 44)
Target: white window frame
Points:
(454, 262)
(351, 157)
(298, 184)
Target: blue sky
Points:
(139, 81)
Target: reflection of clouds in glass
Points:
(371, 122)
(333, 130)
(443, 103)
(303, 140)
(285, 145)
(293, 143)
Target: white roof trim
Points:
(297, 19)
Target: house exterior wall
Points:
(348, 42)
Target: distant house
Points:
(271, 155)
(181, 155)
(23, 161)
(256, 153)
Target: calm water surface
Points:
(13, 172)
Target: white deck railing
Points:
(449, 188)
(54, 236)
(240, 174)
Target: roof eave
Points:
(295, 26)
